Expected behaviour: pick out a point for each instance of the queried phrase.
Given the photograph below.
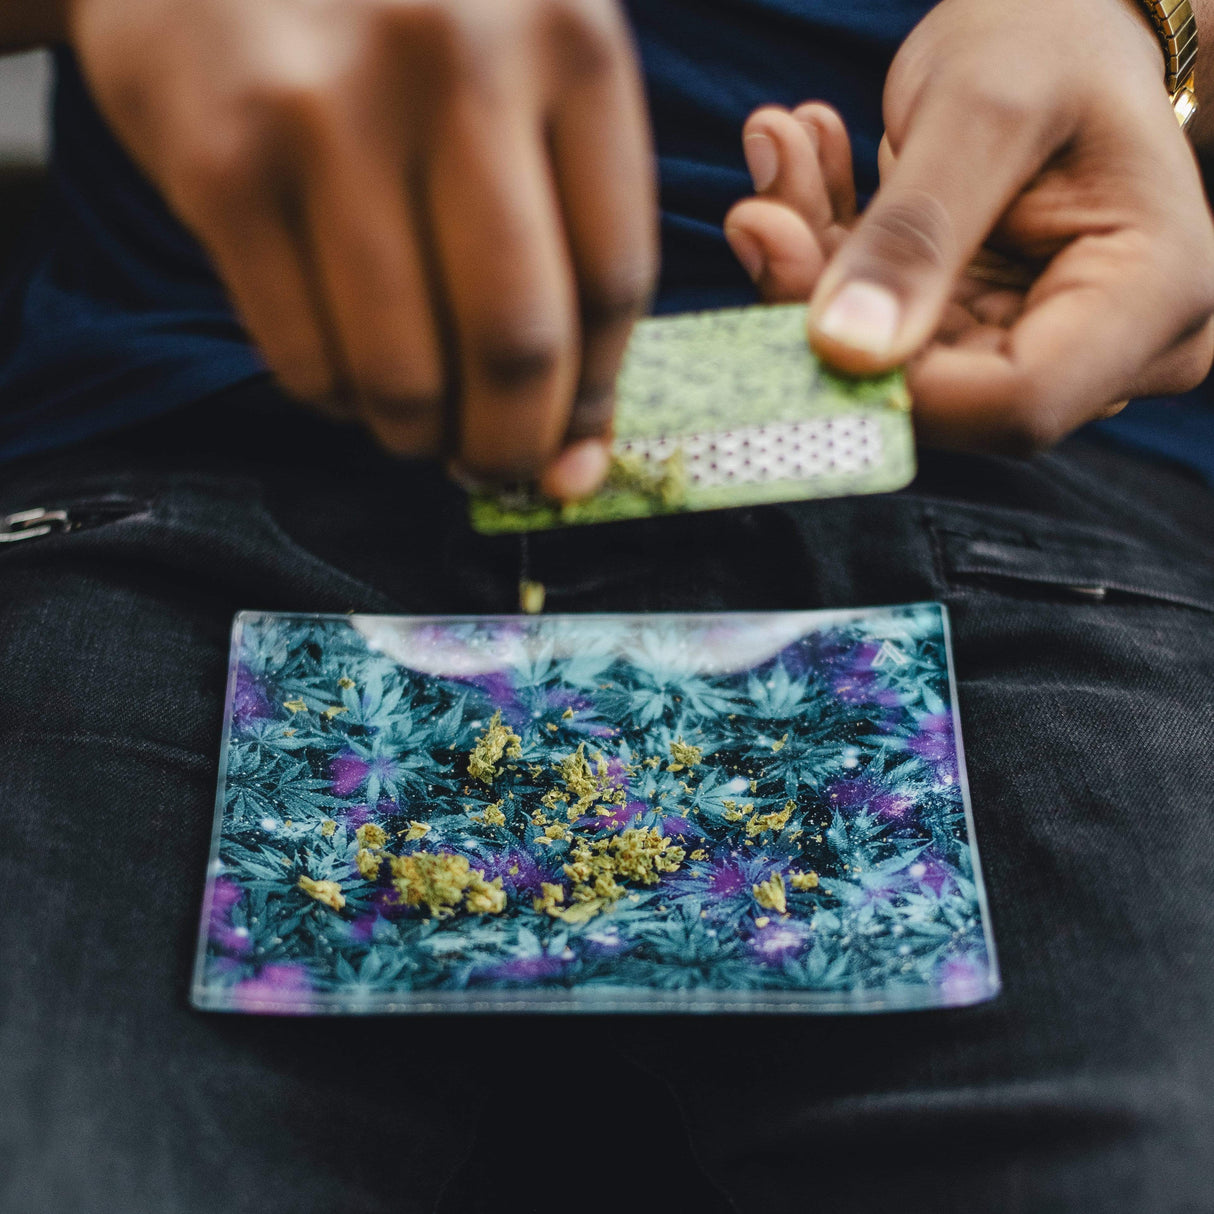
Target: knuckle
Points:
(290, 84)
(266, 127)
(507, 363)
(450, 45)
(1002, 101)
(590, 23)
(220, 168)
(587, 34)
(291, 112)
(618, 296)
(435, 30)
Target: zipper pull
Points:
(35, 523)
(30, 524)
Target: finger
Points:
(782, 156)
(603, 169)
(956, 172)
(1090, 326)
(777, 248)
(366, 251)
(508, 286)
(577, 471)
(834, 156)
(250, 237)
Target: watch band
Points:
(1177, 28)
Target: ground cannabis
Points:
(441, 881)
(770, 893)
(664, 483)
(774, 821)
(492, 815)
(498, 740)
(368, 863)
(531, 597)
(327, 892)
(371, 836)
(684, 755)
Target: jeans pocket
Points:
(208, 534)
(1027, 555)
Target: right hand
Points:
(1040, 249)
(435, 216)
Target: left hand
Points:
(1005, 142)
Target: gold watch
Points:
(1177, 29)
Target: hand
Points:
(436, 216)
(1057, 163)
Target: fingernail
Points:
(578, 471)
(862, 316)
(762, 160)
(747, 250)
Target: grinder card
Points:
(730, 408)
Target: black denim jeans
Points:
(1082, 594)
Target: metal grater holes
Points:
(795, 451)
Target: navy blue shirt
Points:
(112, 314)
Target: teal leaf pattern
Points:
(779, 799)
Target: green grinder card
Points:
(730, 408)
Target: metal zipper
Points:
(42, 521)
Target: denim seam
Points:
(146, 746)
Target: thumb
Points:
(882, 295)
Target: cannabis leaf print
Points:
(699, 812)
